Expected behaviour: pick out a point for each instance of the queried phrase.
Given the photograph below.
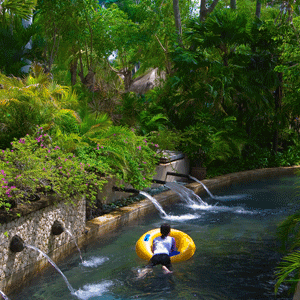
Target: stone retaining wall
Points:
(35, 229)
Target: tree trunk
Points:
(168, 61)
(127, 79)
(177, 20)
(277, 112)
(53, 51)
(73, 71)
(89, 80)
(258, 9)
(233, 4)
(80, 73)
(204, 11)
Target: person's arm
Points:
(153, 246)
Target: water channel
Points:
(235, 257)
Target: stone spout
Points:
(16, 244)
(57, 228)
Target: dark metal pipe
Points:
(16, 244)
(125, 190)
(178, 175)
(159, 181)
(57, 228)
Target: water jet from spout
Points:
(204, 186)
(73, 237)
(3, 295)
(53, 264)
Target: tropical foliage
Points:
(35, 100)
(34, 166)
(229, 99)
(288, 233)
(119, 152)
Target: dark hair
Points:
(165, 230)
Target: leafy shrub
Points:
(35, 166)
(131, 106)
(255, 157)
(142, 113)
(117, 151)
(167, 139)
(210, 140)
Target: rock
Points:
(144, 83)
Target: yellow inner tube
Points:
(184, 244)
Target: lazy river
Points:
(236, 252)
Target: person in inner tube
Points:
(162, 247)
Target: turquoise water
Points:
(235, 257)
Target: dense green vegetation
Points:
(229, 97)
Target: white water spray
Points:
(186, 194)
(221, 198)
(90, 291)
(94, 262)
(216, 209)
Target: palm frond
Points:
(286, 268)
(67, 120)
(288, 231)
(69, 98)
(21, 8)
(69, 142)
(92, 124)
(6, 102)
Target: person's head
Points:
(165, 229)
